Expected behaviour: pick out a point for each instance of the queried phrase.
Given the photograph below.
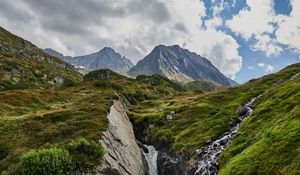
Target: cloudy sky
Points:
(243, 38)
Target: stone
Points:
(241, 110)
(169, 117)
(122, 153)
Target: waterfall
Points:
(151, 158)
(209, 154)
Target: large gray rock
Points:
(123, 155)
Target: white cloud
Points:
(132, 27)
(266, 44)
(288, 32)
(267, 68)
(253, 20)
(257, 21)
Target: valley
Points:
(54, 118)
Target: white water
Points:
(209, 154)
(151, 158)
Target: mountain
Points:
(23, 65)
(106, 123)
(178, 64)
(57, 54)
(107, 58)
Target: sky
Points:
(244, 39)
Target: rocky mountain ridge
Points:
(105, 58)
(180, 65)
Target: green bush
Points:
(107, 84)
(85, 154)
(50, 161)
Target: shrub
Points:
(85, 154)
(50, 161)
(107, 84)
(68, 82)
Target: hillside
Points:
(178, 64)
(52, 117)
(23, 65)
(202, 86)
(269, 138)
(107, 58)
(33, 119)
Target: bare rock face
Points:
(123, 155)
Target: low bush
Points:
(50, 161)
(85, 154)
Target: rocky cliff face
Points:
(180, 65)
(123, 155)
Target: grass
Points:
(270, 138)
(33, 118)
(200, 117)
(23, 66)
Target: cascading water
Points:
(209, 154)
(151, 158)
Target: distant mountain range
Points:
(173, 62)
(180, 65)
(105, 58)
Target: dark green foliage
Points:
(199, 86)
(68, 82)
(51, 161)
(107, 84)
(85, 154)
(103, 74)
(3, 151)
(161, 82)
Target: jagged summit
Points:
(178, 64)
(104, 58)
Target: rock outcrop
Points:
(123, 155)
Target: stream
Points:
(209, 154)
(151, 158)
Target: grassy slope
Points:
(203, 86)
(23, 65)
(33, 118)
(270, 138)
(203, 117)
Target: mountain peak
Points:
(178, 64)
(107, 49)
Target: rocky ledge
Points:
(123, 155)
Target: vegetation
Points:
(204, 85)
(85, 155)
(23, 65)
(200, 117)
(51, 161)
(36, 112)
(269, 139)
(32, 118)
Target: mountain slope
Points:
(269, 138)
(107, 58)
(202, 86)
(24, 65)
(178, 64)
(57, 54)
